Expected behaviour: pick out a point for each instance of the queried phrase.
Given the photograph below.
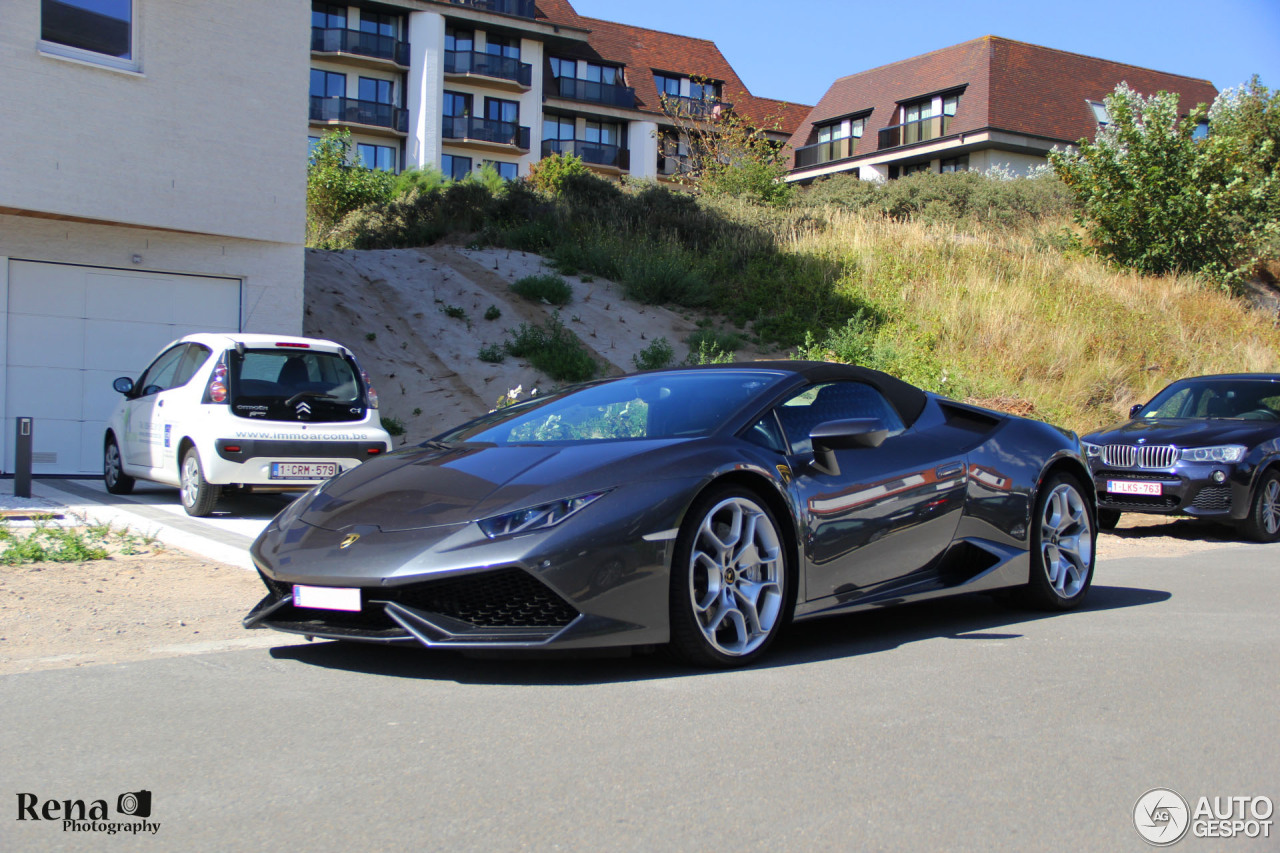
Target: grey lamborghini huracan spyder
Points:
(702, 507)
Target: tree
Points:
(1158, 196)
(722, 154)
(337, 185)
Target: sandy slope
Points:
(422, 359)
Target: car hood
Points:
(434, 486)
(1182, 432)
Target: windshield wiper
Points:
(308, 395)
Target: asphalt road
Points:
(957, 725)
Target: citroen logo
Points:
(304, 408)
(349, 540)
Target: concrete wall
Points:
(202, 138)
(425, 89)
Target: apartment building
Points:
(132, 210)
(462, 83)
(986, 103)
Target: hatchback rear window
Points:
(288, 385)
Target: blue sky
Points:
(795, 50)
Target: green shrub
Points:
(492, 354)
(714, 340)
(549, 173)
(655, 356)
(493, 312)
(427, 180)
(656, 275)
(706, 352)
(554, 350)
(394, 426)
(551, 289)
(337, 186)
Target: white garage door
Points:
(70, 330)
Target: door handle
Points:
(944, 471)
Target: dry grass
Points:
(1068, 336)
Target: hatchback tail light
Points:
(216, 390)
(370, 393)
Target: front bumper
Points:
(1185, 489)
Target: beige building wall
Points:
(202, 138)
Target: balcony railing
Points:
(360, 43)
(488, 65)
(486, 130)
(825, 152)
(352, 111)
(911, 132)
(519, 8)
(597, 93)
(697, 108)
(595, 153)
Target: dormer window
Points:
(1100, 113)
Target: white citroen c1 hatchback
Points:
(255, 412)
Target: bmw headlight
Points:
(535, 517)
(1093, 451)
(1220, 453)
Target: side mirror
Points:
(1133, 413)
(832, 435)
(124, 385)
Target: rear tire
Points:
(732, 588)
(1108, 519)
(1263, 521)
(198, 495)
(113, 475)
(1063, 540)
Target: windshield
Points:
(1237, 399)
(288, 384)
(664, 405)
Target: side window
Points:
(766, 433)
(161, 373)
(835, 401)
(196, 355)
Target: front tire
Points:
(1263, 522)
(198, 494)
(113, 475)
(1063, 540)
(731, 587)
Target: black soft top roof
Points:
(907, 399)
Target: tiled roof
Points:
(644, 51)
(1007, 85)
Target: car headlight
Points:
(535, 517)
(1093, 451)
(1220, 453)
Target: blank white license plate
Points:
(303, 470)
(326, 598)
(1128, 487)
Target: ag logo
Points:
(349, 540)
(1161, 817)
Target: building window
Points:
(375, 90)
(955, 164)
(380, 157)
(606, 74)
(563, 67)
(1100, 113)
(377, 23)
(667, 85)
(496, 109)
(328, 84)
(455, 168)
(506, 171)
(460, 40)
(915, 169)
(1201, 131)
(705, 91)
(457, 104)
(100, 27)
(313, 142)
(555, 127)
(601, 132)
(327, 16)
(502, 46)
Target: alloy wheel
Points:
(1066, 540)
(736, 576)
